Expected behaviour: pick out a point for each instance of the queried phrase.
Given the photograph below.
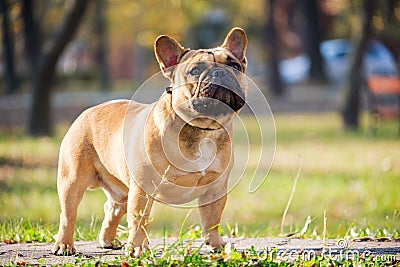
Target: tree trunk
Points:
(8, 49)
(353, 81)
(270, 37)
(40, 119)
(314, 38)
(32, 35)
(102, 48)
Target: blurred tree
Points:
(8, 48)
(209, 30)
(386, 22)
(353, 82)
(45, 64)
(102, 47)
(32, 35)
(314, 39)
(275, 82)
(287, 31)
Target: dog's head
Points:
(208, 86)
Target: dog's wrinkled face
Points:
(208, 86)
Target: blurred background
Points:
(102, 46)
(328, 68)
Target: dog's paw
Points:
(216, 242)
(136, 249)
(134, 252)
(60, 249)
(114, 244)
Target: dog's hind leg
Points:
(70, 197)
(71, 185)
(113, 213)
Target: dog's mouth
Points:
(214, 99)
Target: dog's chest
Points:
(199, 161)
(182, 164)
(206, 155)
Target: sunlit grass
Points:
(350, 175)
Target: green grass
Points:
(352, 176)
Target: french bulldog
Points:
(175, 150)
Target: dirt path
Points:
(288, 248)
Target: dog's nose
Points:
(217, 73)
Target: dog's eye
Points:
(195, 71)
(235, 65)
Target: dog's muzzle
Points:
(218, 93)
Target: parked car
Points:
(336, 56)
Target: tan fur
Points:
(92, 155)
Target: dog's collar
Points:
(206, 129)
(168, 89)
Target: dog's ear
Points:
(168, 52)
(236, 42)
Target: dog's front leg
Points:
(139, 206)
(210, 215)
